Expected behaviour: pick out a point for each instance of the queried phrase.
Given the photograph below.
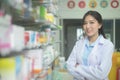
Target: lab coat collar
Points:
(102, 40)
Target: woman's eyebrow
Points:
(89, 20)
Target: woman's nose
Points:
(87, 25)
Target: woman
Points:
(91, 57)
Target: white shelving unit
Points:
(30, 63)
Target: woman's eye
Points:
(85, 23)
(91, 22)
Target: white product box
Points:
(17, 38)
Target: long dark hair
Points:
(98, 17)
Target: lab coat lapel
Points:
(80, 51)
(92, 59)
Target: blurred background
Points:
(37, 36)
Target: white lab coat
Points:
(99, 60)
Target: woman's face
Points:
(91, 26)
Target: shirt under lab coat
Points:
(99, 60)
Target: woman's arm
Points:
(71, 63)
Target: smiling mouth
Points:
(88, 31)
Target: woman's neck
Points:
(93, 38)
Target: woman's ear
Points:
(100, 26)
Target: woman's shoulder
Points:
(107, 42)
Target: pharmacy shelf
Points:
(19, 19)
(14, 53)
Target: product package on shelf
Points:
(17, 38)
(42, 38)
(17, 4)
(53, 8)
(10, 68)
(42, 75)
(50, 17)
(58, 75)
(27, 9)
(47, 34)
(35, 61)
(43, 12)
(62, 62)
(31, 39)
(5, 29)
(49, 74)
(48, 56)
(1, 13)
(11, 37)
